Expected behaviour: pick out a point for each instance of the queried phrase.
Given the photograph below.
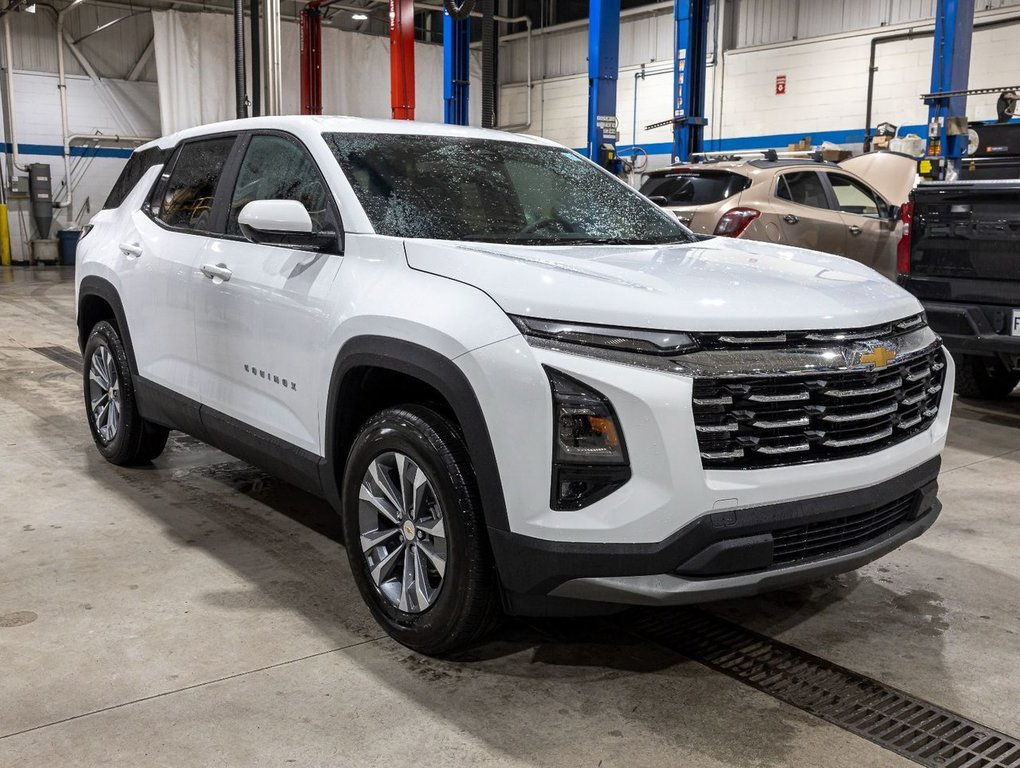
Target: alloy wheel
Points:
(402, 533)
(104, 393)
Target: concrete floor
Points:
(198, 612)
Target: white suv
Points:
(523, 385)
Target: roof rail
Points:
(767, 154)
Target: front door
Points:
(263, 311)
(872, 235)
(803, 214)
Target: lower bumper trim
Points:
(670, 589)
(763, 545)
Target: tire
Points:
(984, 378)
(127, 438)
(415, 448)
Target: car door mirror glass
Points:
(282, 222)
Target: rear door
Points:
(160, 252)
(803, 214)
(263, 312)
(697, 196)
(872, 235)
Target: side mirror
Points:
(659, 200)
(282, 222)
(894, 213)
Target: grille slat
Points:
(812, 540)
(763, 421)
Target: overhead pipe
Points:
(273, 66)
(910, 34)
(65, 129)
(9, 106)
(255, 33)
(240, 80)
(489, 64)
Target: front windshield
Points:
(450, 188)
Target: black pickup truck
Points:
(961, 258)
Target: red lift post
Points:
(402, 59)
(311, 57)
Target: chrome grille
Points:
(746, 422)
(795, 339)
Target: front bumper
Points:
(731, 553)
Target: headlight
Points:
(636, 340)
(589, 454)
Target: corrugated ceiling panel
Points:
(113, 51)
(758, 22)
(906, 11)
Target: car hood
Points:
(714, 285)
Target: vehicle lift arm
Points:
(950, 71)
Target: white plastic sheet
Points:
(194, 65)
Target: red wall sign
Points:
(780, 85)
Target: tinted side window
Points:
(277, 168)
(700, 188)
(854, 197)
(186, 199)
(133, 171)
(804, 188)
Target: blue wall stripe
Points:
(55, 150)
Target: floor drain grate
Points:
(66, 357)
(897, 721)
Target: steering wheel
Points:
(539, 224)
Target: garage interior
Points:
(201, 612)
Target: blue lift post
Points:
(603, 72)
(456, 69)
(950, 71)
(690, 19)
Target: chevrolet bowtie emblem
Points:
(879, 357)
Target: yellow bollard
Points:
(5, 237)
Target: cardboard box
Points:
(836, 155)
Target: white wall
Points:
(825, 96)
(36, 104)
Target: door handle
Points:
(217, 271)
(854, 229)
(790, 219)
(131, 249)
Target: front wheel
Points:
(119, 431)
(414, 531)
(984, 378)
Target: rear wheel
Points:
(119, 431)
(414, 531)
(984, 378)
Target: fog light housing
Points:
(589, 453)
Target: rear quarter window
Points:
(695, 187)
(132, 173)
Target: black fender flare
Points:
(91, 285)
(440, 373)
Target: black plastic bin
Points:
(68, 245)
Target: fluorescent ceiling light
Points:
(359, 17)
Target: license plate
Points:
(1016, 322)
